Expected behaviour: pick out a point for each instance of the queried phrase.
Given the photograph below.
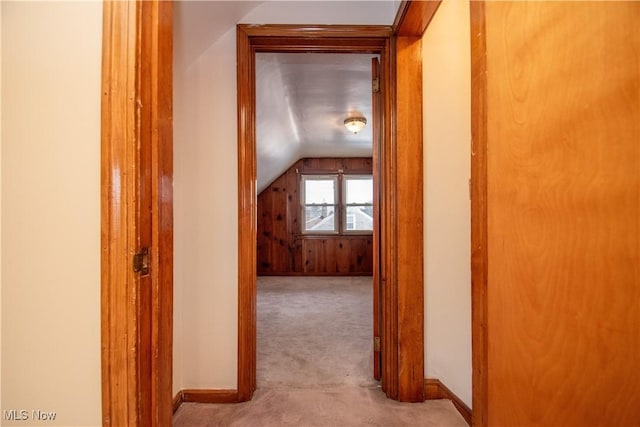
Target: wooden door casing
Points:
(402, 307)
(137, 206)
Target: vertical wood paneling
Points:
(563, 213)
(282, 250)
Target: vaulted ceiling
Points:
(302, 100)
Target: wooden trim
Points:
(407, 193)
(247, 217)
(160, 134)
(388, 237)
(413, 17)
(302, 274)
(434, 390)
(211, 396)
(120, 345)
(376, 126)
(315, 33)
(177, 401)
(479, 215)
(403, 361)
(136, 212)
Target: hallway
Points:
(315, 363)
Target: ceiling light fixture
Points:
(355, 124)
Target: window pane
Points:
(359, 190)
(359, 218)
(320, 218)
(318, 191)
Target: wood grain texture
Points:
(119, 187)
(247, 213)
(479, 255)
(388, 236)
(376, 127)
(563, 213)
(160, 134)
(137, 212)
(409, 226)
(435, 389)
(413, 17)
(283, 250)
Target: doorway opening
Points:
(251, 40)
(316, 216)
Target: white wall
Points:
(205, 185)
(51, 65)
(447, 135)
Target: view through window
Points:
(337, 204)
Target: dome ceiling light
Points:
(355, 124)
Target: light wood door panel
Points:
(563, 213)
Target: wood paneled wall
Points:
(283, 250)
(556, 276)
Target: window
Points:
(358, 202)
(337, 204)
(319, 203)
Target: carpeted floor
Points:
(315, 332)
(315, 364)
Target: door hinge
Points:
(375, 85)
(376, 344)
(141, 262)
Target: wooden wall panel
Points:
(282, 250)
(563, 209)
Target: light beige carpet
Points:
(315, 332)
(315, 364)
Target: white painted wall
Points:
(205, 185)
(447, 134)
(51, 66)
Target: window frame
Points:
(340, 204)
(344, 205)
(336, 203)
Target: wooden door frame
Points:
(137, 72)
(401, 256)
(479, 346)
(282, 38)
(136, 212)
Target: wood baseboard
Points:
(177, 401)
(434, 389)
(316, 274)
(204, 396)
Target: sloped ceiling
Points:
(302, 100)
(198, 24)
